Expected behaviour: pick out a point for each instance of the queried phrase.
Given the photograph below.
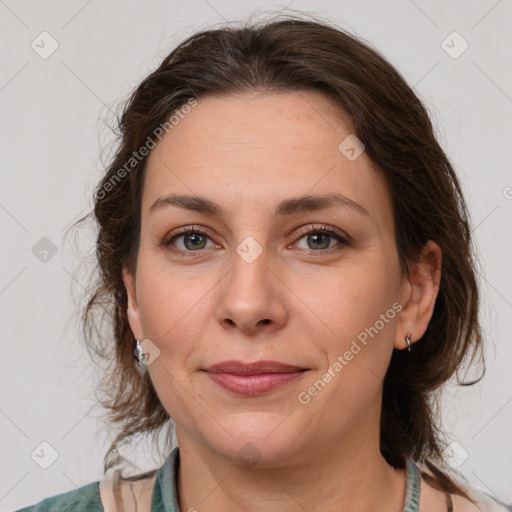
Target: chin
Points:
(257, 439)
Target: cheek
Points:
(352, 299)
(358, 319)
(356, 346)
(358, 309)
(172, 308)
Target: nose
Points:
(253, 297)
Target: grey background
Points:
(53, 114)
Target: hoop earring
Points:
(408, 341)
(139, 353)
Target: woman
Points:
(286, 249)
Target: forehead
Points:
(258, 149)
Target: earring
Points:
(408, 341)
(139, 353)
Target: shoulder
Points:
(434, 500)
(115, 492)
(83, 499)
(482, 502)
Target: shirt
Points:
(156, 491)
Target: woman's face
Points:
(254, 285)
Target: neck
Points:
(350, 475)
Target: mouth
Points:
(253, 378)
(256, 368)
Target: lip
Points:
(256, 368)
(253, 378)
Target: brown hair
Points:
(295, 53)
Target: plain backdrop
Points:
(53, 128)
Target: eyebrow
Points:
(285, 208)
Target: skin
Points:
(302, 301)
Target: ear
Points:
(418, 295)
(133, 308)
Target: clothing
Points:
(156, 491)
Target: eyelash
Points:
(314, 229)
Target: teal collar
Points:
(412, 487)
(165, 497)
